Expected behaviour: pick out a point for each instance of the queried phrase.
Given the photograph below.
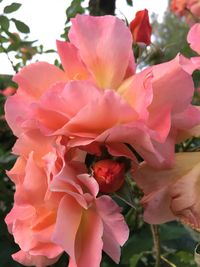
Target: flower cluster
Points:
(75, 128)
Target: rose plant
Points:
(80, 131)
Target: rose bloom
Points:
(56, 206)
(188, 8)
(140, 27)
(98, 99)
(172, 193)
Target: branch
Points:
(156, 242)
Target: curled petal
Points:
(36, 78)
(27, 259)
(71, 61)
(102, 56)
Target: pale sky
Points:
(46, 20)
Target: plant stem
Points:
(156, 242)
(11, 62)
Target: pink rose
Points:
(56, 207)
(94, 101)
(172, 193)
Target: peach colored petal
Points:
(67, 224)
(31, 260)
(102, 56)
(172, 193)
(33, 182)
(89, 242)
(193, 37)
(137, 91)
(36, 78)
(71, 61)
(33, 141)
(16, 174)
(89, 123)
(16, 108)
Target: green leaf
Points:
(129, 2)
(11, 8)
(4, 22)
(21, 26)
(125, 194)
(134, 259)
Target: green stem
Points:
(11, 62)
(156, 242)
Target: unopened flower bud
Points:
(109, 174)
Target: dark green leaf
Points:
(134, 259)
(4, 22)
(11, 8)
(21, 26)
(125, 194)
(129, 2)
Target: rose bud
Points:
(140, 28)
(8, 91)
(109, 174)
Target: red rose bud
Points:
(140, 27)
(109, 174)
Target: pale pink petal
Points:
(120, 149)
(131, 67)
(113, 219)
(104, 44)
(36, 78)
(30, 260)
(68, 99)
(187, 123)
(71, 61)
(171, 193)
(196, 62)
(166, 150)
(157, 207)
(137, 135)
(193, 37)
(89, 183)
(167, 88)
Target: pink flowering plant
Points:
(96, 143)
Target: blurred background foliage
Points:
(176, 242)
